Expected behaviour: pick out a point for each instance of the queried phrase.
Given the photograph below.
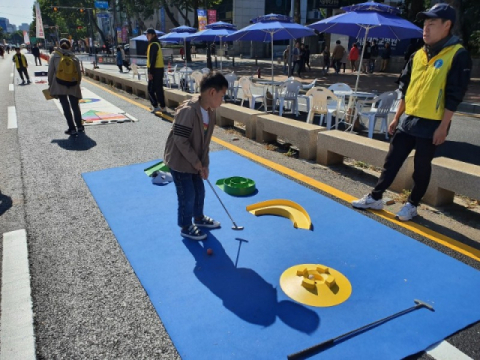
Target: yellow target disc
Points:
(315, 285)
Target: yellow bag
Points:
(67, 73)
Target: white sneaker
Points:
(367, 202)
(407, 212)
(155, 109)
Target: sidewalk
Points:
(380, 82)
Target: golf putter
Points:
(323, 345)
(235, 226)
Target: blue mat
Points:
(230, 305)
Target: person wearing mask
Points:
(433, 84)
(337, 56)
(21, 64)
(155, 72)
(69, 94)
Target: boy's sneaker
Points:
(367, 202)
(193, 232)
(155, 109)
(28, 82)
(407, 212)
(71, 132)
(23, 82)
(207, 222)
(81, 129)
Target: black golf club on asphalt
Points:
(323, 345)
(235, 226)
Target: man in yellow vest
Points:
(21, 64)
(155, 72)
(433, 84)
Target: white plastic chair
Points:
(309, 86)
(232, 88)
(341, 90)
(185, 75)
(288, 91)
(172, 76)
(135, 71)
(385, 102)
(323, 102)
(197, 77)
(247, 87)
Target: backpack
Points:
(67, 73)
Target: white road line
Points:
(445, 351)
(10, 87)
(12, 118)
(17, 335)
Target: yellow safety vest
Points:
(425, 96)
(17, 63)
(159, 60)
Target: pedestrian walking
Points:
(353, 56)
(433, 84)
(36, 55)
(386, 53)
(343, 62)
(155, 72)
(64, 78)
(337, 55)
(297, 59)
(373, 56)
(2, 52)
(326, 60)
(187, 154)
(125, 61)
(286, 58)
(21, 64)
(366, 57)
(119, 59)
(307, 57)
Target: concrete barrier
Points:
(175, 97)
(228, 113)
(334, 145)
(450, 177)
(299, 134)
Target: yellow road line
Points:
(416, 228)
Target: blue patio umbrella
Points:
(179, 34)
(369, 19)
(215, 32)
(268, 28)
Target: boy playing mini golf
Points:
(186, 154)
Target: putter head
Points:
(235, 227)
(421, 303)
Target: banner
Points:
(202, 19)
(212, 16)
(38, 15)
(124, 34)
(26, 38)
(119, 35)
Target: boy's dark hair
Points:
(214, 79)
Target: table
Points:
(351, 108)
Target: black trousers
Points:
(39, 60)
(155, 88)
(400, 147)
(69, 104)
(22, 71)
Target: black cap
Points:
(439, 11)
(151, 31)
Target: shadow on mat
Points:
(76, 143)
(244, 292)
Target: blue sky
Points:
(18, 12)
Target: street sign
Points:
(101, 4)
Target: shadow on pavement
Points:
(5, 203)
(76, 143)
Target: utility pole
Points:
(209, 55)
(92, 45)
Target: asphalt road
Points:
(88, 302)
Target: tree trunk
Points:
(170, 15)
(457, 28)
(296, 11)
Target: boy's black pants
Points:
(69, 104)
(22, 71)
(400, 147)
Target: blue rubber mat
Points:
(230, 305)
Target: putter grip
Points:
(311, 350)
